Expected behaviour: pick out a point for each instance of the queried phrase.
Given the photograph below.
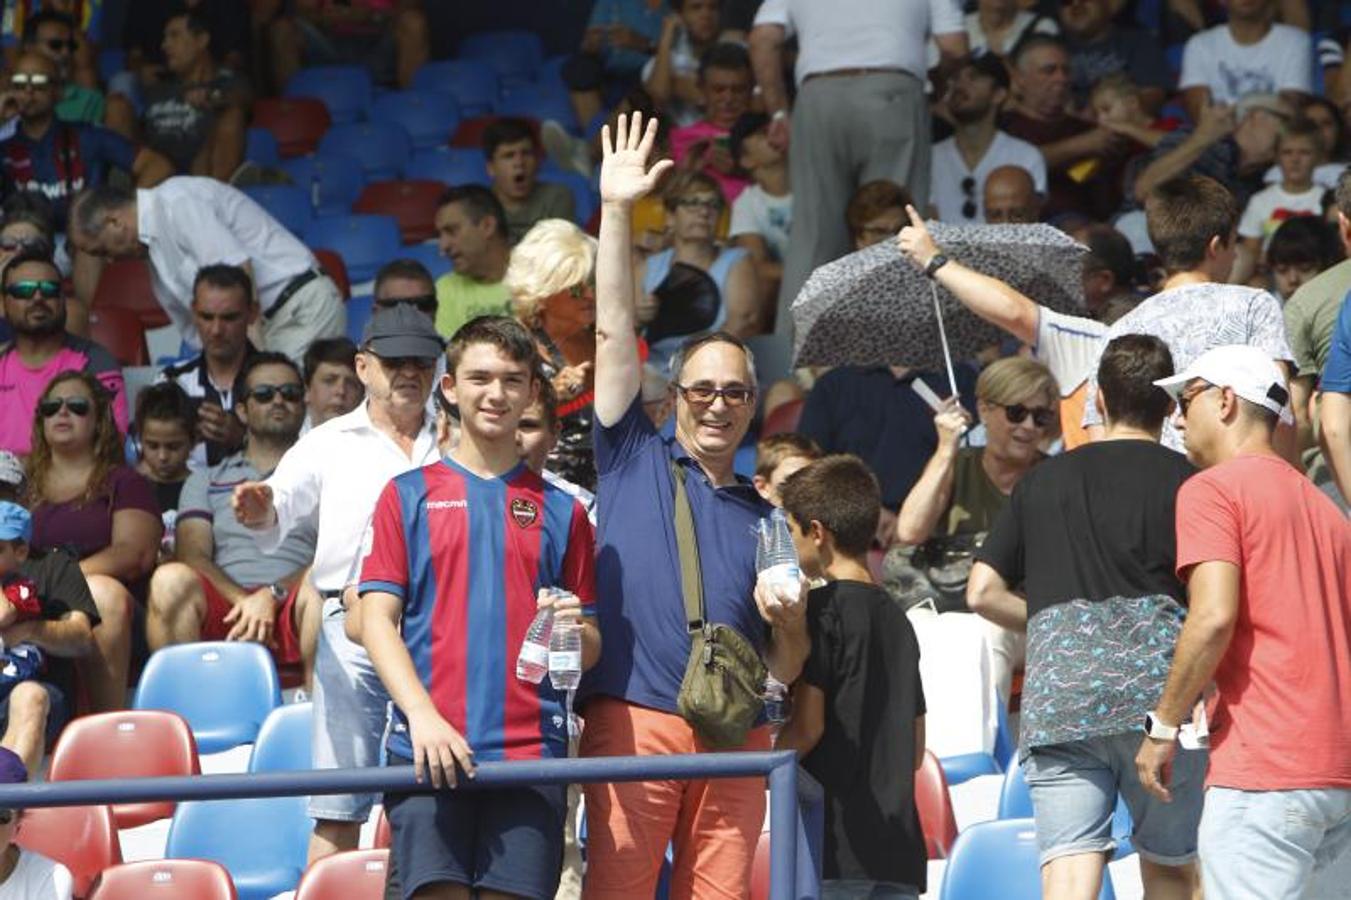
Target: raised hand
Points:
(915, 241)
(624, 174)
(252, 502)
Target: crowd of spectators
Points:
(1136, 505)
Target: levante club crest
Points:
(525, 512)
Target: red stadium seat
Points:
(470, 132)
(412, 203)
(121, 333)
(782, 418)
(130, 744)
(936, 816)
(333, 266)
(354, 875)
(199, 879)
(125, 284)
(382, 830)
(296, 122)
(81, 838)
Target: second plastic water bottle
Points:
(776, 557)
(533, 662)
(565, 656)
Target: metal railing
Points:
(796, 811)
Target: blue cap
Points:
(15, 522)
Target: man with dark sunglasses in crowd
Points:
(221, 587)
(35, 307)
(406, 282)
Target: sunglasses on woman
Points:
(78, 406)
(1041, 416)
(25, 290)
(263, 393)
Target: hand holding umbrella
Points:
(915, 242)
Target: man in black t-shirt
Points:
(34, 712)
(858, 709)
(1088, 538)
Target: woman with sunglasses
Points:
(694, 203)
(86, 499)
(551, 279)
(953, 504)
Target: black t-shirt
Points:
(865, 658)
(1092, 524)
(61, 588)
(167, 493)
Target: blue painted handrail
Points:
(796, 812)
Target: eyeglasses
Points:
(425, 303)
(29, 79)
(704, 394)
(290, 392)
(24, 290)
(1041, 416)
(17, 243)
(56, 45)
(1184, 401)
(579, 291)
(78, 406)
(969, 207)
(711, 204)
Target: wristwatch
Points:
(937, 262)
(279, 591)
(1159, 731)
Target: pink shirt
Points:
(21, 387)
(682, 139)
(1282, 720)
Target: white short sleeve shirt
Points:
(1281, 61)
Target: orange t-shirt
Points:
(1282, 718)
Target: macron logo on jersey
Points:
(447, 504)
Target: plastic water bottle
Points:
(776, 701)
(776, 558)
(565, 656)
(533, 661)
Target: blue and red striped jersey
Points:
(467, 555)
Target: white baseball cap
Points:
(1247, 371)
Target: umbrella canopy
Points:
(873, 307)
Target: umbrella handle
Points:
(943, 337)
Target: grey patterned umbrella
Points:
(873, 307)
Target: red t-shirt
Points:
(1282, 720)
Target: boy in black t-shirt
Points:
(166, 422)
(858, 709)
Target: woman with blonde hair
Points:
(551, 279)
(86, 499)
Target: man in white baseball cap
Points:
(1266, 558)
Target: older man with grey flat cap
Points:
(331, 478)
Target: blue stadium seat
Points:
(225, 689)
(472, 82)
(333, 180)
(365, 243)
(1005, 748)
(382, 148)
(999, 859)
(966, 766)
(449, 165)
(583, 198)
(551, 71)
(429, 117)
(111, 60)
(288, 204)
(430, 256)
(541, 102)
(261, 147)
(1015, 800)
(284, 740)
(359, 311)
(345, 90)
(262, 842)
(516, 56)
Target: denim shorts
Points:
(1074, 788)
(1266, 845)
(351, 708)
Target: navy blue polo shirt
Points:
(639, 605)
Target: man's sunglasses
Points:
(24, 290)
(263, 393)
(10, 244)
(395, 363)
(703, 394)
(29, 79)
(1041, 416)
(56, 45)
(78, 406)
(425, 303)
(1185, 401)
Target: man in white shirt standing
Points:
(977, 147)
(331, 479)
(860, 113)
(1250, 54)
(186, 223)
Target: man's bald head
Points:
(1011, 196)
